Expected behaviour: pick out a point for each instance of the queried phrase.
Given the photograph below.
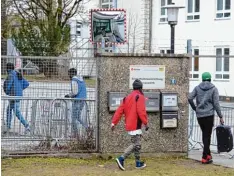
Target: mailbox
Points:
(114, 100)
(169, 109)
(153, 101)
(169, 101)
(169, 119)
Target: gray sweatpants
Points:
(135, 147)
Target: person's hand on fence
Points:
(67, 96)
(221, 121)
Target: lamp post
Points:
(172, 18)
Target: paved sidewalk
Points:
(218, 159)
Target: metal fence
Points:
(45, 67)
(43, 105)
(45, 89)
(48, 76)
(50, 122)
(195, 134)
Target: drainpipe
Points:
(150, 24)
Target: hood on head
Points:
(10, 66)
(206, 85)
(79, 78)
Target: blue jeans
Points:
(15, 105)
(77, 107)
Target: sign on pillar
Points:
(152, 76)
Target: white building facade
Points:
(209, 24)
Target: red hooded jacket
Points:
(133, 107)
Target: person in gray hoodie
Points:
(207, 102)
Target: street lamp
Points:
(172, 18)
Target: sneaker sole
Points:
(209, 162)
(141, 167)
(119, 164)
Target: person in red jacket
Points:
(133, 108)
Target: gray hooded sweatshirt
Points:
(207, 100)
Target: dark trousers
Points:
(206, 124)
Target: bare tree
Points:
(134, 33)
(5, 12)
(43, 29)
(44, 22)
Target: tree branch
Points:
(44, 1)
(34, 12)
(32, 9)
(59, 12)
(39, 4)
(70, 13)
(18, 9)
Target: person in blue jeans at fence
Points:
(79, 93)
(207, 101)
(14, 86)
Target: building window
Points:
(195, 64)
(163, 11)
(223, 9)
(193, 10)
(108, 47)
(165, 51)
(106, 4)
(222, 63)
(78, 28)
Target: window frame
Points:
(164, 50)
(222, 72)
(167, 2)
(192, 71)
(109, 4)
(223, 11)
(78, 29)
(193, 13)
